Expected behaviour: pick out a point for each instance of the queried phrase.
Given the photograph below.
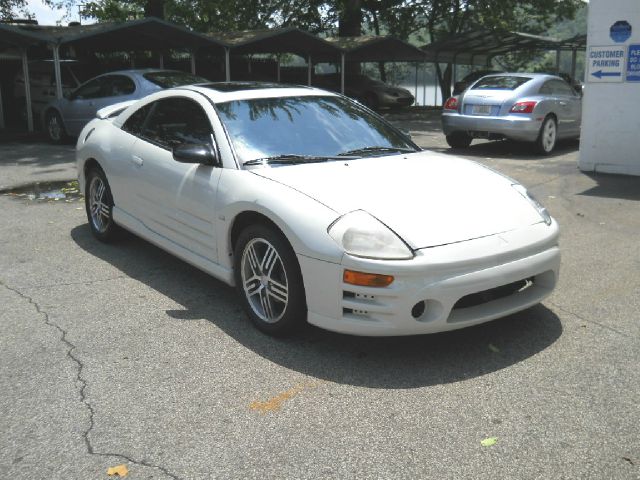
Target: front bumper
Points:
(439, 277)
(387, 100)
(515, 127)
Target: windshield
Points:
(173, 79)
(316, 126)
(500, 83)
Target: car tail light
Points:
(451, 103)
(523, 107)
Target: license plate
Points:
(481, 110)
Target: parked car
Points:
(67, 116)
(42, 81)
(531, 107)
(372, 93)
(473, 77)
(317, 210)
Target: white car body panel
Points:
(407, 192)
(469, 228)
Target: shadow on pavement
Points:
(397, 362)
(624, 187)
(513, 150)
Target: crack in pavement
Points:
(83, 385)
(602, 325)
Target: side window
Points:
(91, 89)
(117, 86)
(135, 122)
(562, 88)
(546, 89)
(175, 121)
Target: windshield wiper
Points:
(374, 149)
(293, 158)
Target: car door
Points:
(94, 95)
(569, 108)
(172, 199)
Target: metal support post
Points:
(227, 68)
(27, 90)
(56, 68)
(342, 73)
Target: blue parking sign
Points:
(633, 63)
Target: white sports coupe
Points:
(316, 209)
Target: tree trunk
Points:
(376, 29)
(154, 8)
(350, 25)
(444, 78)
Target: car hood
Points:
(427, 198)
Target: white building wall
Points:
(610, 138)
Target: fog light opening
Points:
(418, 309)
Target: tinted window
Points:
(135, 122)
(173, 79)
(308, 125)
(117, 85)
(500, 83)
(174, 121)
(91, 89)
(560, 87)
(546, 89)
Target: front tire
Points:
(548, 136)
(269, 281)
(55, 127)
(459, 140)
(99, 206)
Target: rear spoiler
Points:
(113, 110)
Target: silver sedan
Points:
(67, 116)
(529, 107)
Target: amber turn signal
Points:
(367, 279)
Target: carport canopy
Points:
(479, 46)
(149, 33)
(277, 41)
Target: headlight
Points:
(535, 203)
(363, 235)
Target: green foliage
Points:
(10, 9)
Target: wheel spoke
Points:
(278, 291)
(104, 209)
(252, 286)
(254, 264)
(266, 304)
(269, 260)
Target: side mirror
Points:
(195, 153)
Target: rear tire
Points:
(459, 140)
(269, 281)
(99, 206)
(54, 127)
(548, 136)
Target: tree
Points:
(9, 9)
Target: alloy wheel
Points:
(54, 127)
(100, 211)
(264, 280)
(549, 135)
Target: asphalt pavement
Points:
(122, 354)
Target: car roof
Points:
(524, 74)
(228, 91)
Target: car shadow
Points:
(512, 150)
(623, 187)
(396, 362)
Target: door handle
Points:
(137, 161)
(564, 104)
